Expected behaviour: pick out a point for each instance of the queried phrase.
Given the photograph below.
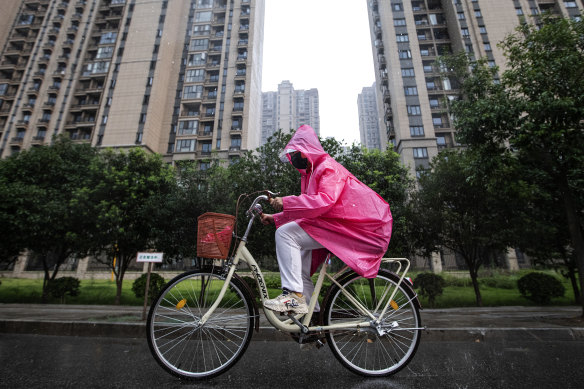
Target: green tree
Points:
(462, 211)
(128, 191)
(38, 210)
(534, 116)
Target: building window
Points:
(193, 92)
(464, 32)
(483, 29)
(411, 91)
(204, 16)
(238, 105)
(397, 6)
(188, 127)
(105, 52)
(570, 4)
(201, 29)
(414, 110)
(195, 75)
(197, 59)
(416, 130)
(402, 38)
(488, 46)
(437, 122)
(441, 140)
(407, 72)
(460, 15)
(519, 11)
(434, 103)
(405, 54)
(235, 143)
(108, 38)
(185, 145)
(199, 44)
(478, 14)
(420, 152)
(399, 22)
(206, 147)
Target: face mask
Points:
(298, 162)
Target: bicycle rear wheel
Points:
(184, 347)
(364, 351)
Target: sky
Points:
(321, 44)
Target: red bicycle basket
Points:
(214, 234)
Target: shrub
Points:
(540, 287)
(156, 284)
(498, 282)
(63, 286)
(430, 285)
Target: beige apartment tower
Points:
(408, 36)
(288, 109)
(178, 77)
(369, 119)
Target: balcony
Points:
(16, 140)
(38, 140)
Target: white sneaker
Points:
(286, 302)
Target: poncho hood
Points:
(306, 141)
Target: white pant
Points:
(294, 251)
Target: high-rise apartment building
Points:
(408, 36)
(369, 119)
(178, 77)
(287, 109)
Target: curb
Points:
(138, 330)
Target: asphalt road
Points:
(41, 361)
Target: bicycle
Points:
(203, 320)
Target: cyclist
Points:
(335, 212)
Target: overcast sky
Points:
(321, 44)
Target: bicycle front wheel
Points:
(368, 351)
(181, 344)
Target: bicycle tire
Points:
(190, 351)
(364, 351)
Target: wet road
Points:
(37, 361)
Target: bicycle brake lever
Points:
(271, 194)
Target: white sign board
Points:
(149, 257)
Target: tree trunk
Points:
(575, 232)
(574, 282)
(475, 284)
(45, 296)
(119, 283)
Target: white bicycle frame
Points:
(289, 326)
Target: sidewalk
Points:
(456, 324)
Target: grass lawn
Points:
(500, 290)
(92, 292)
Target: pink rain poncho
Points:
(336, 209)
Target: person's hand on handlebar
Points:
(277, 203)
(267, 219)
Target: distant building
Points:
(408, 36)
(178, 77)
(368, 119)
(287, 109)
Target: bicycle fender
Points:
(249, 292)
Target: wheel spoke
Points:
(184, 346)
(364, 351)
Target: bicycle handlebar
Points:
(256, 208)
